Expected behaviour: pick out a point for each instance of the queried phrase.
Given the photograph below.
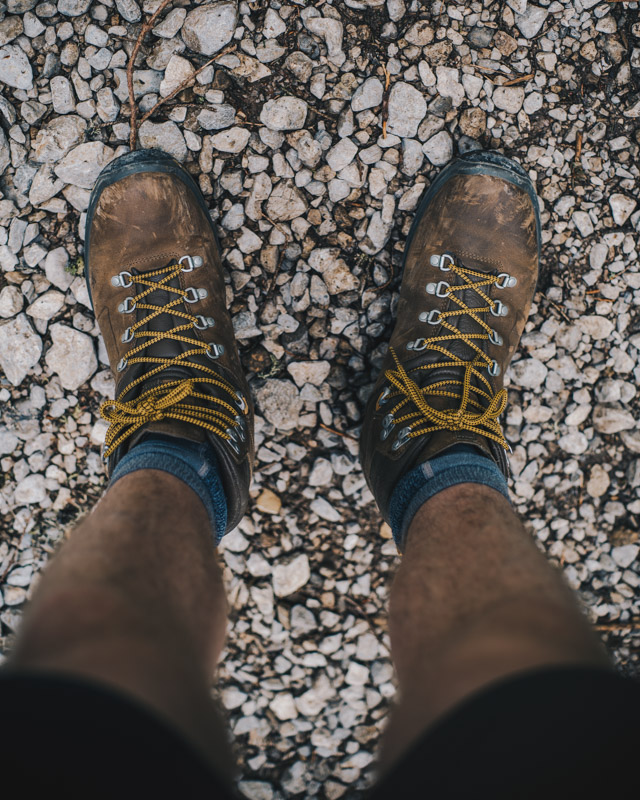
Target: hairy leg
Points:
(473, 601)
(135, 599)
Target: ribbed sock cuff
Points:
(459, 464)
(192, 463)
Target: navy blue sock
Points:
(191, 462)
(459, 464)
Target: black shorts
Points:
(562, 733)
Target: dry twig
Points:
(384, 111)
(560, 311)
(338, 433)
(520, 79)
(274, 223)
(578, 145)
(134, 122)
(185, 83)
(133, 136)
(623, 627)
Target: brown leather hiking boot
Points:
(470, 271)
(155, 280)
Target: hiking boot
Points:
(156, 284)
(470, 272)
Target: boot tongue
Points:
(173, 428)
(441, 441)
(464, 322)
(165, 348)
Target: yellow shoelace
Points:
(479, 409)
(168, 400)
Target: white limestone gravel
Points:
(313, 203)
(20, 348)
(15, 67)
(72, 356)
(208, 28)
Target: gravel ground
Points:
(313, 167)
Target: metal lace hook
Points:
(499, 309)
(387, 426)
(440, 289)
(214, 351)
(193, 295)
(433, 317)
(191, 261)
(239, 429)
(120, 280)
(202, 323)
(505, 281)
(127, 306)
(444, 261)
(403, 438)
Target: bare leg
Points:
(135, 599)
(473, 601)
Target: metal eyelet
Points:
(383, 397)
(495, 338)
(433, 317)
(202, 323)
(418, 344)
(120, 280)
(241, 401)
(384, 433)
(192, 263)
(127, 306)
(403, 438)
(214, 351)
(127, 336)
(494, 369)
(505, 281)
(440, 289)
(194, 295)
(122, 364)
(441, 261)
(499, 309)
